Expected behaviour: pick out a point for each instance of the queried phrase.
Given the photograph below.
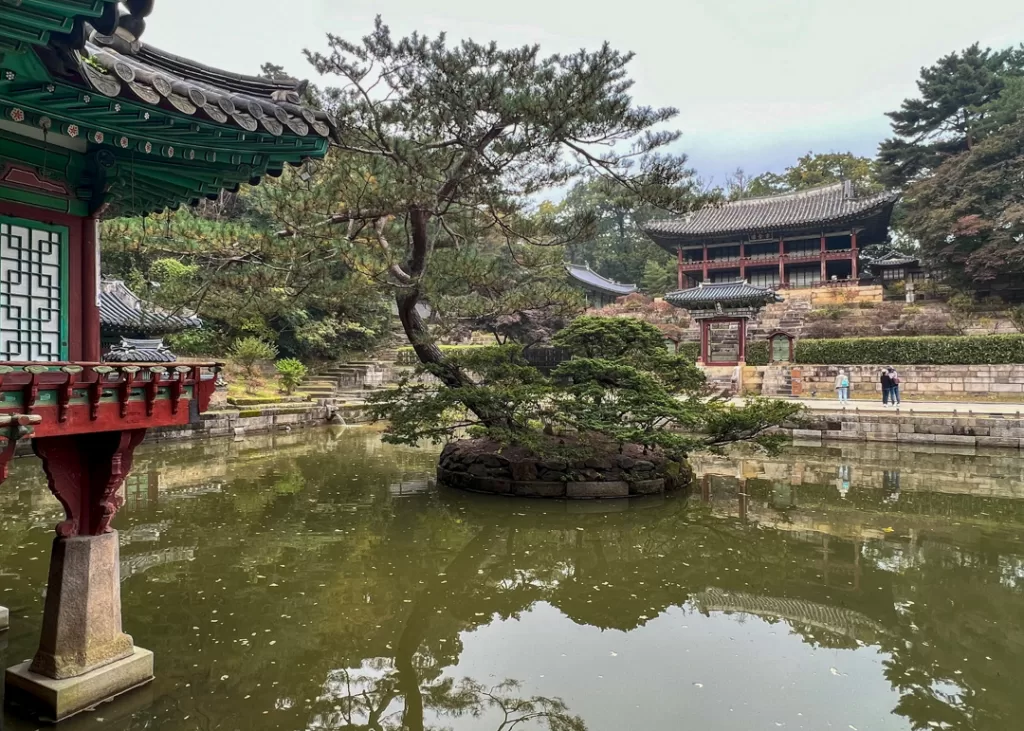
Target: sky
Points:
(757, 82)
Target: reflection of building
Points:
(599, 290)
(140, 563)
(792, 240)
(839, 620)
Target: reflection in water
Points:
(321, 581)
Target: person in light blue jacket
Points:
(842, 387)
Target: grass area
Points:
(270, 390)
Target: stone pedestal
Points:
(56, 700)
(84, 657)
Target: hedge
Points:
(929, 350)
(758, 352)
(405, 355)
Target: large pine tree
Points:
(951, 114)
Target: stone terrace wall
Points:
(984, 382)
(967, 431)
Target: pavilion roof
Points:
(726, 294)
(146, 129)
(592, 280)
(820, 207)
(121, 310)
(894, 258)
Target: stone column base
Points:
(5, 618)
(56, 700)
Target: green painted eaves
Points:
(31, 22)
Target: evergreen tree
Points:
(950, 115)
(444, 145)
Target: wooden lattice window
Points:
(33, 291)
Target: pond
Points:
(320, 580)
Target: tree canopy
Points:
(969, 214)
(809, 171)
(449, 146)
(953, 112)
(617, 247)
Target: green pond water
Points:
(321, 580)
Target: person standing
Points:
(842, 387)
(894, 386)
(886, 386)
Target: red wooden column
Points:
(705, 341)
(90, 290)
(824, 269)
(743, 340)
(679, 253)
(782, 263)
(743, 268)
(853, 248)
(705, 263)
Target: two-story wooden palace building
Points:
(793, 240)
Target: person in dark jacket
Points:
(886, 386)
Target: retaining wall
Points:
(962, 430)
(964, 382)
(234, 423)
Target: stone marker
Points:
(4, 618)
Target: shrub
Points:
(688, 350)
(195, 341)
(291, 372)
(953, 350)
(407, 356)
(962, 312)
(1016, 316)
(758, 352)
(829, 312)
(249, 353)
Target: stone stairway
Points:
(347, 382)
(789, 316)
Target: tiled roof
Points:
(728, 294)
(117, 68)
(589, 278)
(140, 351)
(894, 259)
(825, 205)
(121, 310)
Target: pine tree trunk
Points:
(419, 337)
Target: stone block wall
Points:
(984, 382)
(966, 431)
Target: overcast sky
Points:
(757, 82)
